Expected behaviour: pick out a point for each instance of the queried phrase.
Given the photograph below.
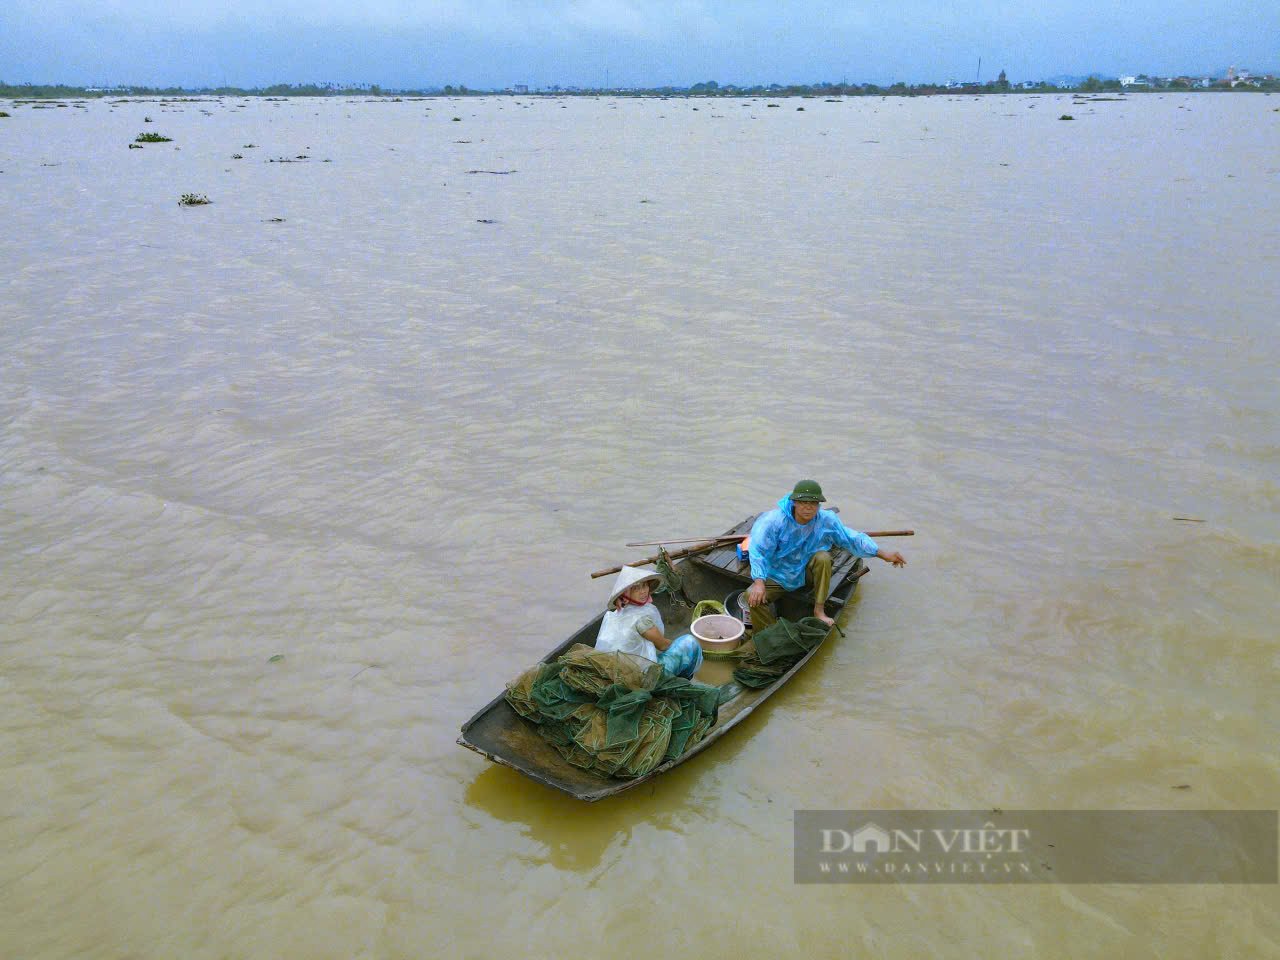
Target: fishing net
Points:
(588, 671)
(775, 650)
(672, 581)
(615, 713)
(697, 703)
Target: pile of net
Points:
(614, 713)
(777, 648)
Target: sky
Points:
(494, 44)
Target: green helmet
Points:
(807, 490)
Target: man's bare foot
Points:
(822, 615)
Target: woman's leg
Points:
(683, 657)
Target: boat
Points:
(497, 732)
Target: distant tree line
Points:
(36, 91)
(709, 88)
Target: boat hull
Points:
(497, 732)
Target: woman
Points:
(634, 625)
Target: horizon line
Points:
(1057, 81)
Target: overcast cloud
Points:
(495, 43)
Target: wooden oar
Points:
(739, 536)
(714, 542)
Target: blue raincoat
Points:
(781, 548)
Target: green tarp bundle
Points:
(777, 648)
(614, 713)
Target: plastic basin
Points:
(717, 632)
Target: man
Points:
(789, 551)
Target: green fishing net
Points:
(672, 580)
(775, 650)
(591, 672)
(615, 713)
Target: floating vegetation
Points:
(193, 200)
(486, 221)
(3, 114)
(237, 156)
(496, 173)
(274, 220)
(152, 138)
(457, 119)
(135, 146)
(249, 146)
(298, 159)
(1066, 116)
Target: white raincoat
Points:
(621, 631)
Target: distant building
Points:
(521, 88)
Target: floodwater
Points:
(339, 417)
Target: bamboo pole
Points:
(658, 543)
(700, 548)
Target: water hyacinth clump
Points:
(152, 138)
(193, 200)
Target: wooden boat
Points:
(500, 734)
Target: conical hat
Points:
(628, 577)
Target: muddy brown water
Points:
(379, 416)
